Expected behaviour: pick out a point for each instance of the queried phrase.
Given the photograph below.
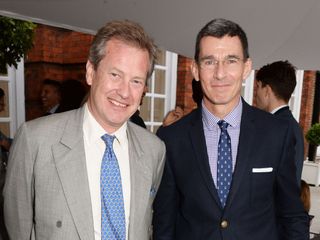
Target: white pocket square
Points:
(262, 170)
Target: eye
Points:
(232, 60)
(208, 62)
(137, 82)
(114, 75)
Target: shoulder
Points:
(53, 120)
(51, 126)
(263, 121)
(286, 115)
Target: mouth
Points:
(221, 86)
(118, 104)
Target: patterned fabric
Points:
(113, 225)
(212, 135)
(224, 163)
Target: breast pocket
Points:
(262, 188)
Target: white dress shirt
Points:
(94, 149)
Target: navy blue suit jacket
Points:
(286, 114)
(187, 206)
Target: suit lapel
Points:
(69, 156)
(141, 179)
(246, 140)
(199, 146)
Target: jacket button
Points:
(224, 224)
(59, 224)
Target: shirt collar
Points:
(233, 118)
(278, 108)
(93, 130)
(53, 109)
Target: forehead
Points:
(225, 46)
(49, 87)
(125, 57)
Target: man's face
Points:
(50, 96)
(261, 96)
(222, 81)
(118, 84)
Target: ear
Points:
(247, 69)
(145, 89)
(195, 70)
(89, 73)
(269, 91)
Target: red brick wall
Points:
(57, 54)
(184, 85)
(307, 100)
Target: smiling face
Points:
(222, 83)
(117, 84)
(50, 96)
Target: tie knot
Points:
(223, 125)
(108, 139)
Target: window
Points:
(295, 100)
(247, 88)
(12, 82)
(161, 94)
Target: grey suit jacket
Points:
(46, 195)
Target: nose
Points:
(220, 70)
(123, 89)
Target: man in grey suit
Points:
(275, 84)
(52, 188)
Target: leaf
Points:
(15, 41)
(313, 134)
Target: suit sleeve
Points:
(165, 204)
(18, 190)
(292, 218)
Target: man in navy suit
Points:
(274, 87)
(259, 196)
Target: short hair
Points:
(1, 93)
(219, 28)
(127, 31)
(305, 195)
(54, 83)
(280, 76)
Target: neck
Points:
(221, 110)
(276, 104)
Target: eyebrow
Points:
(212, 57)
(122, 73)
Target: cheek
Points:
(137, 95)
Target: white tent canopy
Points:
(276, 29)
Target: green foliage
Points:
(313, 134)
(15, 40)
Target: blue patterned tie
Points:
(113, 226)
(224, 164)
